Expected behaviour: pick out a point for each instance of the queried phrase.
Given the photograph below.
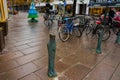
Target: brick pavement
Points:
(26, 55)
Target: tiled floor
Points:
(26, 56)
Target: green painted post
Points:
(51, 56)
(98, 49)
(118, 38)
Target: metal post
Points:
(98, 49)
(74, 7)
(51, 56)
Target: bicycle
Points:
(68, 29)
(84, 24)
(61, 20)
(94, 30)
(114, 26)
(48, 19)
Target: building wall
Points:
(99, 6)
(56, 3)
(19, 2)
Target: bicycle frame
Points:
(69, 25)
(48, 21)
(96, 27)
(68, 29)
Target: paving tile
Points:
(9, 41)
(88, 43)
(29, 39)
(35, 43)
(108, 47)
(112, 60)
(28, 58)
(60, 67)
(63, 77)
(73, 44)
(12, 49)
(22, 47)
(42, 73)
(9, 65)
(10, 45)
(35, 38)
(30, 50)
(101, 72)
(57, 58)
(63, 52)
(3, 77)
(88, 58)
(116, 75)
(29, 35)
(19, 72)
(9, 56)
(77, 72)
(41, 62)
(115, 50)
(31, 77)
(21, 39)
(22, 42)
(91, 60)
(71, 59)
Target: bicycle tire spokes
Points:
(63, 34)
(76, 32)
(106, 34)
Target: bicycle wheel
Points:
(46, 23)
(63, 33)
(88, 29)
(50, 23)
(106, 34)
(115, 30)
(77, 32)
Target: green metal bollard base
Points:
(33, 20)
(51, 55)
(98, 49)
(118, 38)
(52, 74)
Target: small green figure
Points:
(118, 38)
(98, 49)
(51, 55)
(33, 13)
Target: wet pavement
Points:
(26, 55)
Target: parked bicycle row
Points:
(90, 25)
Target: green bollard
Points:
(98, 49)
(118, 38)
(51, 56)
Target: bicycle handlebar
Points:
(71, 18)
